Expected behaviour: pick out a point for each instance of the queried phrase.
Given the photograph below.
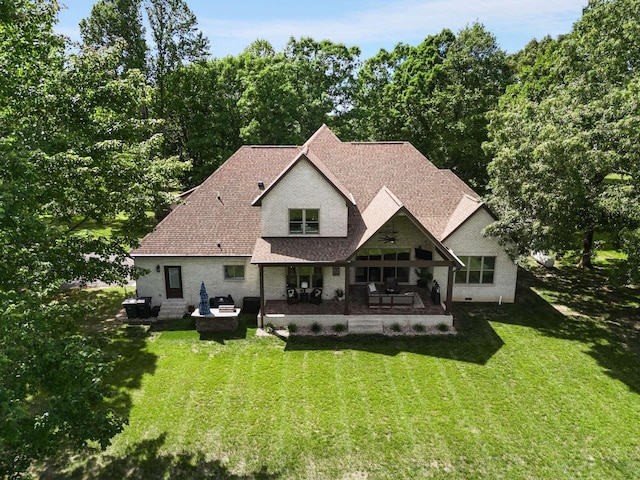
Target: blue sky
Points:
(371, 25)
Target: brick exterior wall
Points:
(468, 240)
(211, 271)
(194, 271)
(304, 187)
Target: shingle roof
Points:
(220, 211)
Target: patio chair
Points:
(292, 296)
(316, 296)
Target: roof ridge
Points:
(390, 142)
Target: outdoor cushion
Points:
(372, 288)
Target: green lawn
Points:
(546, 388)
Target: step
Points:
(365, 326)
(171, 309)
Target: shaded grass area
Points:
(544, 388)
(119, 226)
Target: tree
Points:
(114, 21)
(436, 95)
(174, 34)
(74, 147)
(175, 41)
(286, 96)
(559, 134)
(203, 119)
(261, 97)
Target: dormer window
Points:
(304, 221)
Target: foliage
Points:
(52, 392)
(173, 31)
(115, 21)
(292, 327)
(418, 327)
(560, 132)
(76, 148)
(396, 327)
(436, 95)
(339, 328)
(203, 119)
(424, 276)
(286, 96)
(175, 41)
(316, 327)
(443, 327)
(259, 97)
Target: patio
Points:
(331, 312)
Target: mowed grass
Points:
(546, 388)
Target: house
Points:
(275, 223)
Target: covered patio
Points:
(423, 311)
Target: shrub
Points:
(418, 327)
(316, 327)
(443, 327)
(292, 327)
(339, 327)
(395, 327)
(269, 328)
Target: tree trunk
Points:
(587, 248)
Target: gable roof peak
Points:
(322, 136)
(318, 165)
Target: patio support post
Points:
(262, 310)
(449, 291)
(346, 289)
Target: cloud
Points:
(410, 21)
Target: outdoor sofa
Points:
(376, 298)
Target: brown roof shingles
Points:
(195, 228)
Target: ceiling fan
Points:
(389, 237)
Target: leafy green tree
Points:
(74, 147)
(176, 40)
(115, 21)
(261, 97)
(203, 119)
(173, 30)
(374, 113)
(560, 133)
(286, 96)
(436, 95)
